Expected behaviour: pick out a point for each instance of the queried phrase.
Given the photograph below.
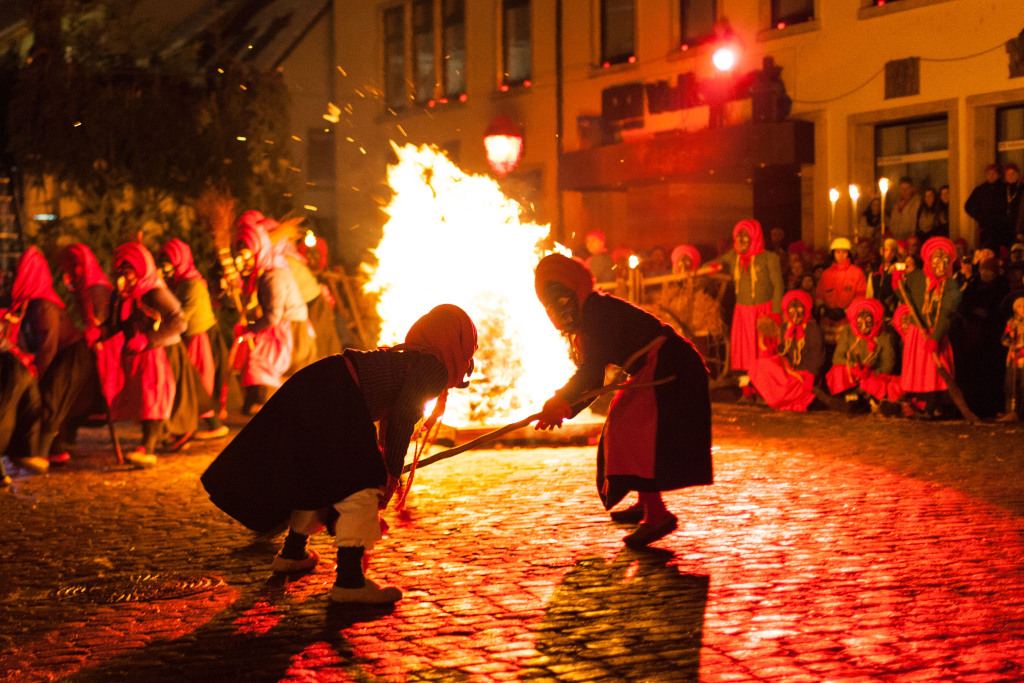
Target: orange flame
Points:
(456, 238)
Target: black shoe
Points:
(631, 515)
(647, 534)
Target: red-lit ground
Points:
(829, 548)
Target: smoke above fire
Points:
(452, 237)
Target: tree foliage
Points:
(134, 137)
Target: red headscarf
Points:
(179, 254)
(797, 331)
(141, 261)
(686, 250)
(447, 333)
(877, 311)
(33, 280)
(255, 238)
(937, 243)
(82, 268)
(901, 312)
(753, 229)
(565, 271)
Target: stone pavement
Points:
(830, 548)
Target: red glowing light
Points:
(632, 59)
(684, 47)
(781, 25)
(463, 97)
(503, 88)
(606, 65)
(431, 104)
(527, 84)
(444, 100)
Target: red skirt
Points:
(743, 338)
(919, 372)
(781, 389)
(632, 426)
(149, 387)
(268, 359)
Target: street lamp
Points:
(503, 142)
(854, 195)
(883, 187)
(833, 197)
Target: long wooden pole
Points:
(502, 431)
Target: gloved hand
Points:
(555, 410)
(137, 344)
(931, 346)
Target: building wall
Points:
(833, 69)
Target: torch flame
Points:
(456, 238)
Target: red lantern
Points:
(503, 142)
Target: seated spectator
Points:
(786, 380)
(865, 356)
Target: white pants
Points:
(358, 521)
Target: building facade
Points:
(630, 129)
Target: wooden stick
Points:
(951, 386)
(498, 433)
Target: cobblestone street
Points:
(830, 548)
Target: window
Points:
(787, 12)
(696, 21)
(453, 37)
(424, 52)
(1010, 136)
(516, 45)
(617, 32)
(918, 149)
(394, 58)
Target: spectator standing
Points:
(600, 260)
(987, 206)
(1010, 222)
(977, 336)
(880, 284)
(903, 219)
(929, 223)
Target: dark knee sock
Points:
(350, 567)
(294, 546)
(151, 433)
